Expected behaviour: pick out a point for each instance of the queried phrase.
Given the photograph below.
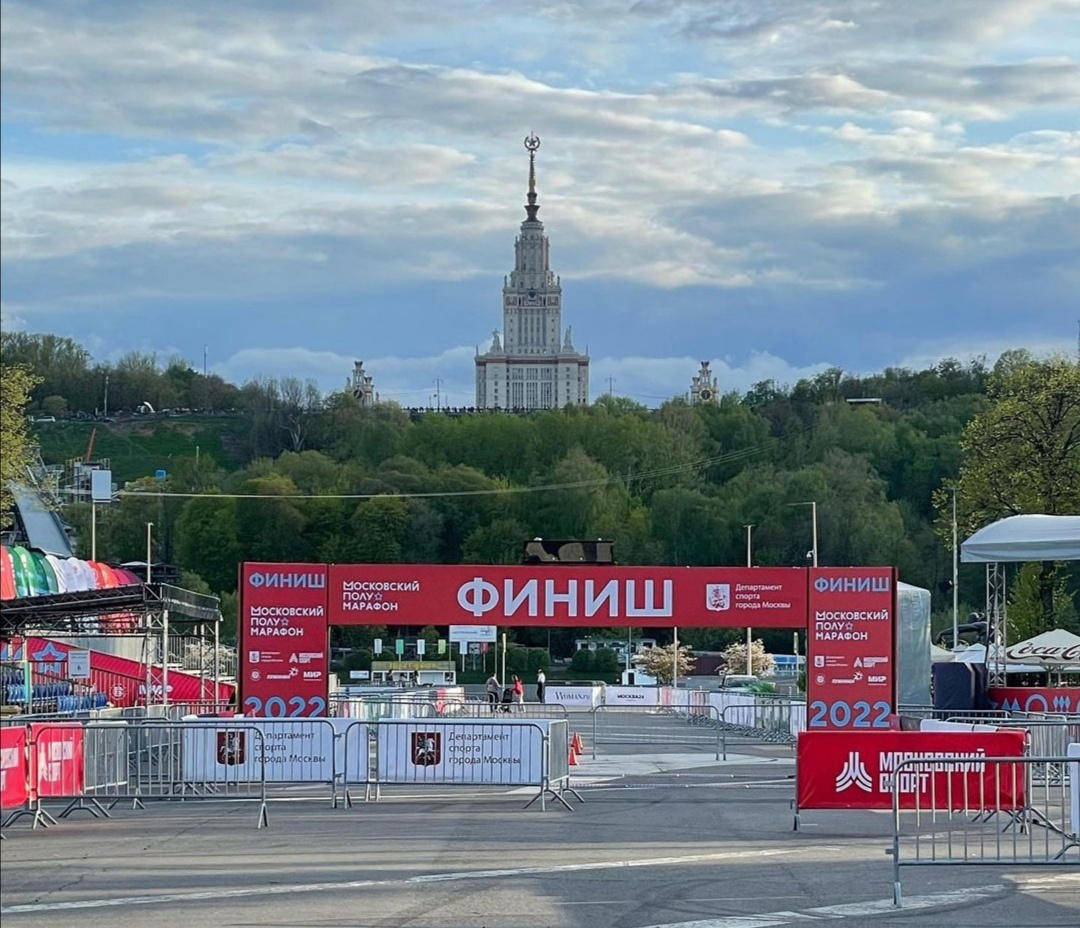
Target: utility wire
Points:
(669, 470)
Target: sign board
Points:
(421, 647)
(376, 646)
(359, 674)
(585, 697)
(284, 640)
(101, 486)
(588, 596)
(630, 696)
(851, 665)
(294, 751)
(507, 753)
(1036, 698)
(56, 761)
(78, 665)
(14, 776)
(475, 647)
(462, 633)
(854, 770)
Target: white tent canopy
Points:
(976, 654)
(1056, 648)
(1024, 538)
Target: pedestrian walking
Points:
(519, 692)
(494, 691)
(541, 683)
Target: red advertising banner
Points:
(584, 597)
(855, 770)
(850, 651)
(1036, 699)
(121, 679)
(284, 640)
(56, 760)
(14, 773)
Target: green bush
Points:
(583, 661)
(517, 660)
(606, 661)
(539, 659)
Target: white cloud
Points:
(858, 173)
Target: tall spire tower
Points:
(534, 365)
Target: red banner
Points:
(1036, 699)
(851, 666)
(122, 680)
(56, 760)
(284, 640)
(584, 597)
(14, 773)
(855, 770)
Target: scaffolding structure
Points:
(158, 614)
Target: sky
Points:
(778, 186)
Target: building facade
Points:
(533, 364)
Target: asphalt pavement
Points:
(663, 838)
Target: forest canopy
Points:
(313, 477)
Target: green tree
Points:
(1022, 455)
(206, 541)
(16, 383)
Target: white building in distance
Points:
(703, 386)
(533, 365)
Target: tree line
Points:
(327, 481)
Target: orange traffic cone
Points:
(578, 744)
(573, 761)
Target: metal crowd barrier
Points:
(1011, 817)
(92, 766)
(769, 721)
(465, 752)
(656, 725)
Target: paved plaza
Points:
(661, 840)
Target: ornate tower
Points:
(703, 386)
(534, 365)
(362, 386)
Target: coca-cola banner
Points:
(1036, 699)
(851, 666)
(856, 770)
(284, 640)
(585, 596)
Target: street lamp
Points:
(149, 545)
(749, 631)
(955, 577)
(813, 517)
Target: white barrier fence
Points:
(92, 765)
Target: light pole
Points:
(813, 522)
(749, 630)
(955, 577)
(149, 548)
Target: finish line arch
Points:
(286, 611)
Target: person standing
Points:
(541, 683)
(519, 692)
(494, 691)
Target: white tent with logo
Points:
(1056, 649)
(976, 654)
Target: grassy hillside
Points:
(137, 447)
